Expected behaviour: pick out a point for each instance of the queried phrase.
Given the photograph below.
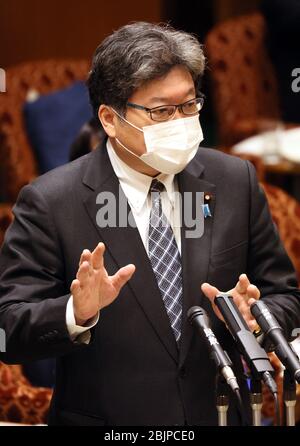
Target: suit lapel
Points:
(195, 251)
(125, 246)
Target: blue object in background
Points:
(40, 373)
(53, 121)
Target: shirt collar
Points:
(135, 184)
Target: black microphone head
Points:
(196, 311)
(265, 319)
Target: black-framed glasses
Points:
(166, 112)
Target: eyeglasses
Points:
(166, 112)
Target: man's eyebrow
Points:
(165, 101)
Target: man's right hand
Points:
(93, 288)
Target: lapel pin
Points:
(206, 210)
(207, 197)
(205, 206)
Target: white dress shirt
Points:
(135, 186)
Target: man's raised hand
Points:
(93, 289)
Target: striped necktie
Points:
(165, 259)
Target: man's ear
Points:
(107, 119)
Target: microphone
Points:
(272, 329)
(255, 356)
(198, 317)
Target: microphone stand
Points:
(256, 401)
(222, 400)
(289, 395)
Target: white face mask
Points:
(170, 145)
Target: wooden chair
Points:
(18, 165)
(6, 218)
(244, 86)
(20, 402)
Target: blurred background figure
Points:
(40, 373)
(283, 37)
(89, 137)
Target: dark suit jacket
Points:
(132, 372)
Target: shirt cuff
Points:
(77, 330)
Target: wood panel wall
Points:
(37, 29)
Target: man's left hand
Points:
(244, 295)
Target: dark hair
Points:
(135, 54)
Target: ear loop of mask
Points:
(132, 125)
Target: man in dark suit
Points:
(126, 354)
